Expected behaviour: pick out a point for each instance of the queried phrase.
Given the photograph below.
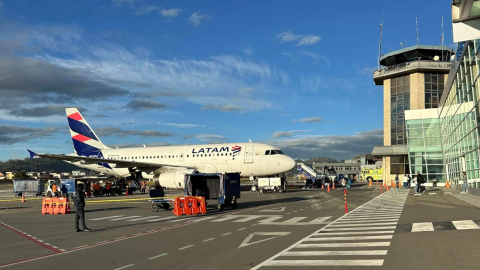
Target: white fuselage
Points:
(244, 158)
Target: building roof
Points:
(412, 53)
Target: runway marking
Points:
(158, 256)
(33, 239)
(280, 209)
(465, 225)
(123, 267)
(432, 193)
(189, 246)
(250, 236)
(105, 217)
(335, 234)
(123, 218)
(241, 229)
(422, 227)
(209, 239)
(142, 218)
(226, 234)
(336, 252)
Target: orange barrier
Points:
(46, 205)
(189, 205)
(62, 207)
(54, 206)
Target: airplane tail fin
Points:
(85, 141)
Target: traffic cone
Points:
(323, 186)
(328, 188)
(333, 187)
(23, 197)
(447, 185)
(126, 194)
(388, 189)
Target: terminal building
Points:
(431, 105)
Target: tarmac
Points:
(306, 229)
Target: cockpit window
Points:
(275, 152)
(267, 152)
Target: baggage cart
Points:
(274, 184)
(225, 188)
(157, 197)
(20, 187)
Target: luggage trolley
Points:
(20, 187)
(158, 204)
(225, 188)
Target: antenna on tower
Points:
(416, 23)
(403, 38)
(442, 38)
(380, 45)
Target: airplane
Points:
(167, 165)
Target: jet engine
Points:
(172, 178)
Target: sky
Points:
(293, 74)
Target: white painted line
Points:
(432, 193)
(241, 229)
(360, 244)
(365, 218)
(123, 218)
(353, 238)
(465, 225)
(47, 244)
(325, 263)
(158, 256)
(62, 249)
(422, 227)
(54, 247)
(343, 221)
(269, 219)
(371, 216)
(137, 219)
(354, 233)
(224, 218)
(123, 267)
(364, 224)
(294, 220)
(189, 246)
(320, 219)
(40, 240)
(105, 217)
(361, 229)
(226, 234)
(209, 239)
(417, 194)
(336, 252)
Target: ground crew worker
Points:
(79, 203)
(107, 188)
(54, 189)
(97, 188)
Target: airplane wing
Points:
(119, 163)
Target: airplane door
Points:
(181, 157)
(249, 154)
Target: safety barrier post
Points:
(126, 193)
(345, 197)
(177, 207)
(187, 206)
(45, 205)
(203, 206)
(195, 206)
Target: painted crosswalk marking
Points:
(422, 227)
(440, 226)
(358, 232)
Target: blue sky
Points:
(295, 74)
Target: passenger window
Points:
(267, 152)
(201, 155)
(187, 155)
(209, 155)
(230, 154)
(177, 156)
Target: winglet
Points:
(32, 154)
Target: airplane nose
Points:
(290, 163)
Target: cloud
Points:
(114, 131)
(333, 146)
(247, 50)
(198, 17)
(315, 56)
(282, 115)
(182, 125)
(289, 55)
(210, 138)
(147, 10)
(131, 145)
(230, 108)
(11, 134)
(286, 134)
(1, 4)
(119, 3)
(314, 119)
(209, 107)
(366, 70)
(302, 40)
(144, 105)
(100, 116)
(317, 82)
(170, 13)
(40, 111)
(189, 137)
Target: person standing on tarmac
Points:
(397, 181)
(465, 182)
(79, 203)
(420, 181)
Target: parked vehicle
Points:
(225, 188)
(275, 184)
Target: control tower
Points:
(412, 78)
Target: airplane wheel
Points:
(220, 206)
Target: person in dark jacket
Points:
(420, 181)
(79, 203)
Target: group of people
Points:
(417, 180)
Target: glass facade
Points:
(459, 118)
(425, 149)
(399, 103)
(434, 84)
